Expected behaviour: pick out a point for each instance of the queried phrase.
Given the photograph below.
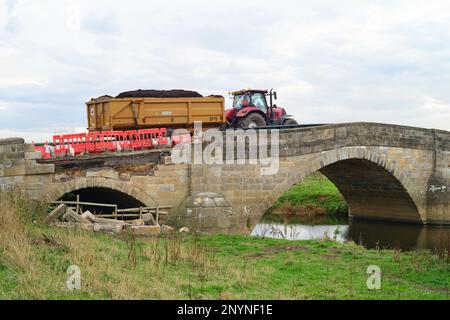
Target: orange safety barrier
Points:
(94, 142)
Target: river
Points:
(370, 234)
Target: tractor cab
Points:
(251, 109)
(247, 98)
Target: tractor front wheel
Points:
(290, 122)
(253, 120)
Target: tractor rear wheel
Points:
(290, 122)
(253, 120)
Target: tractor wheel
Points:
(253, 120)
(290, 122)
(224, 126)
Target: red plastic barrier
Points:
(74, 143)
(44, 150)
(151, 138)
(93, 142)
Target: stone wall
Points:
(367, 176)
(438, 186)
(18, 168)
(397, 191)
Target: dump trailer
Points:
(155, 109)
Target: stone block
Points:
(223, 222)
(29, 147)
(221, 202)
(110, 228)
(168, 160)
(11, 141)
(41, 179)
(33, 155)
(14, 171)
(167, 187)
(5, 148)
(143, 180)
(145, 230)
(18, 147)
(13, 155)
(40, 169)
(108, 174)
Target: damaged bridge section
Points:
(383, 171)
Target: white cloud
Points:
(73, 17)
(435, 105)
(330, 62)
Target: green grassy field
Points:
(34, 259)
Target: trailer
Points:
(154, 109)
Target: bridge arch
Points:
(73, 185)
(371, 183)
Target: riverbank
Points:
(34, 260)
(314, 197)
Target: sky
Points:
(329, 61)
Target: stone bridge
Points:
(383, 171)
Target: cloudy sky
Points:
(330, 61)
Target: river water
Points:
(370, 234)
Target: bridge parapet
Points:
(316, 139)
(18, 167)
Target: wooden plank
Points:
(72, 216)
(88, 216)
(78, 204)
(109, 205)
(157, 215)
(109, 221)
(55, 214)
(120, 215)
(149, 219)
(143, 208)
(113, 228)
(83, 226)
(85, 203)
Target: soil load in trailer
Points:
(176, 93)
(142, 109)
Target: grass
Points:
(34, 260)
(316, 195)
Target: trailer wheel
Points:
(253, 120)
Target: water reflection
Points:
(370, 234)
(405, 236)
(301, 231)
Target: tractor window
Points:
(239, 99)
(259, 101)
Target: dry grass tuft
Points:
(15, 246)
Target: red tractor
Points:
(251, 110)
